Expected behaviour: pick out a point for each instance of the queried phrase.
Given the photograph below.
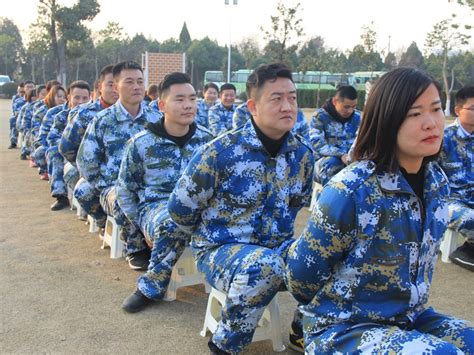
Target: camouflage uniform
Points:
(457, 160)
(154, 106)
(151, 166)
(331, 139)
(242, 115)
(220, 119)
(40, 141)
(17, 104)
(202, 114)
(100, 155)
(240, 205)
(24, 126)
(363, 266)
(86, 194)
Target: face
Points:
(228, 97)
(60, 97)
(42, 94)
(78, 96)
(20, 91)
(344, 107)
(275, 110)
(29, 87)
(106, 89)
(130, 86)
(421, 132)
(179, 105)
(465, 115)
(210, 96)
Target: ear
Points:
(251, 105)
(457, 109)
(334, 101)
(161, 105)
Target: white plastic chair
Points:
(269, 326)
(451, 241)
(185, 273)
(93, 228)
(112, 238)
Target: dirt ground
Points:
(61, 293)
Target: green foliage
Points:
(184, 37)
(361, 60)
(308, 98)
(369, 37)
(412, 57)
(11, 47)
(390, 62)
(204, 54)
(250, 52)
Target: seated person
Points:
(220, 115)
(456, 159)
(153, 162)
(333, 128)
(101, 152)
(238, 198)
(211, 92)
(362, 268)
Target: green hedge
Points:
(308, 98)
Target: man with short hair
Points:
(84, 192)
(18, 101)
(102, 149)
(220, 115)
(332, 131)
(238, 198)
(457, 160)
(211, 92)
(153, 162)
(78, 93)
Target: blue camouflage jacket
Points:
(233, 191)
(76, 128)
(47, 122)
(17, 104)
(101, 151)
(202, 114)
(368, 251)
(39, 111)
(330, 137)
(242, 115)
(220, 119)
(457, 161)
(150, 169)
(24, 117)
(59, 124)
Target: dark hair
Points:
(49, 99)
(463, 95)
(21, 84)
(104, 71)
(29, 96)
(39, 88)
(29, 82)
(80, 84)
(264, 73)
(209, 86)
(152, 89)
(51, 83)
(346, 92)
(129, 65)
(227, 86)
(389, 101)
(172, 79)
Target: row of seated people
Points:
(235, 199)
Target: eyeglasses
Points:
(468, 108)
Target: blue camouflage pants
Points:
(13, 130)
(88, 197)
(430, 333)
(131, 234)
(168, 245)
(461, 219)
(39, 157)
(251, 276)
(326, 167)
(71, 175)
(25, 144)
(56, 163)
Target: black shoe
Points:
(296, 338)
(135, 302)
(139, 260)
(464, 256)
(61, 202)
(23, 157)
(12, 146)
(215, 350)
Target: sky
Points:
(397, 23)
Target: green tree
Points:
(312, 55)
(412, 57)
(283, 35)
(171, 45)
(250, 51)
(390, 61)
(65, 24)
(110, 45)
(469, 3)
(184, 37)
(39, 58)
(203, 55)
(445, 37)
(11, 46)
(361, 60)
(369, 38)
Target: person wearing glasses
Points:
(457, 160)
(332, 131)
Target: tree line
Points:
(60, 45)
